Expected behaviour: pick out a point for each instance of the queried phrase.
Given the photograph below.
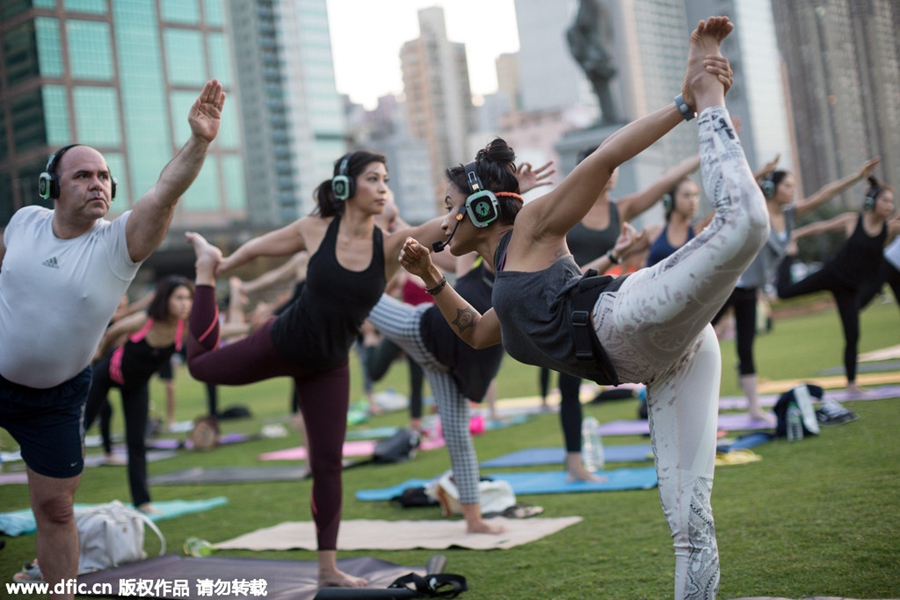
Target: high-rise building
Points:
(293, 116)
(119, 76)
(758, 96)
(438, 97)
(549, 78)
(843, 67)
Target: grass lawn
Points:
(815, 518)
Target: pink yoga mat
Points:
(355, 448)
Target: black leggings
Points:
(570, 412)
(135, 408)
(846, 297)
(743, 300)
(888, 274)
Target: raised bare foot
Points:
(208, 258)
(482, 526)
(702, 85)
(337, 578)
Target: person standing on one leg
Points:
(650, 327)
(63, 273)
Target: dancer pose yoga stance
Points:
(310, 340)
(856, 263)
(63, 273)
(604, 232)
(779, 188)
(152, 338)
(651, 326)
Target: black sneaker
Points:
(831, 413)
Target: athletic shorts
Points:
(165, 371)
(48, 424)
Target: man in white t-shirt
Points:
(62, 274)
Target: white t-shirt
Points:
(57, 296)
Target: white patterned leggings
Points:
(399, 322)
(656, 330)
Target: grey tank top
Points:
(586, 244)
(534, 310)
(761, 271)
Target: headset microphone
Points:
(439, 246)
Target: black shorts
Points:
(165, 371)
(48, 424)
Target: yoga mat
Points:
(872, 367)
(96, 460)
(371, 433)
(282, 579)
(745, 441)
(833, 382)
(768, 400)
(729, 421)
(539, 482)
(356, 448)
(888, 353)
(557, 456)
(8, 478)
(199, 475)
(21, 522)
(365, 534)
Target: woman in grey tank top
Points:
(654, 328)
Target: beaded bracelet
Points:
(436, 289)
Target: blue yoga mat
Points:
(21, 522)
(540, 482)
(557, 456)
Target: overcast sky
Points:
(366, 37)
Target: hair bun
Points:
(873, 182)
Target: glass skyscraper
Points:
(121, 77)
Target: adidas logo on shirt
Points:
(51, 262)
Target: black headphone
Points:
(668, 202)
(872, 197)
(48, 181)
(768, 185)
(342, 185)
(481, 204)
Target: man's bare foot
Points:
(337, 578)
(208, 258)
(482, 526)
(702, 87)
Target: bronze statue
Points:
(590, 37)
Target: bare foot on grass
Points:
(208, 258)
(705, 79)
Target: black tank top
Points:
(859, 258)
(317, 330)
(472, 369)
(586, 244)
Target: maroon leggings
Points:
(324, 398)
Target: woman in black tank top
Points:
(855, 264)
(309, 341)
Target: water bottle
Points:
(591, 445)
(794, 423)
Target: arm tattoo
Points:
(465, 318)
